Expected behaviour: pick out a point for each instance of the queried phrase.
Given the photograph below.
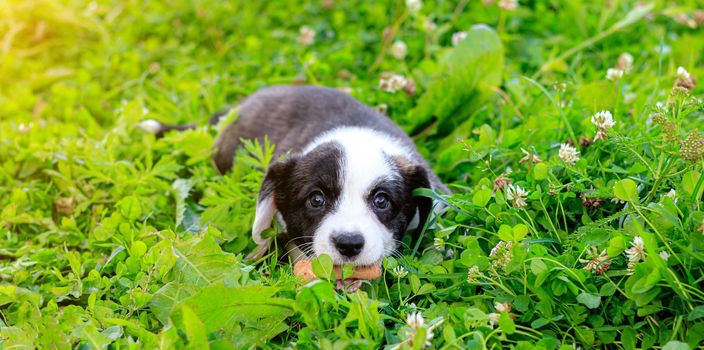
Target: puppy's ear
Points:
(417, 177)
(266, 203)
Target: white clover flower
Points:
(25, 128)
(682, 73)
(438, 243)
(493, 319)
(664, 255)
(473, 274)
(672, 194)
(530, 157)
(383, 108)
(568, 154)
(501, 254)
(625, 62)
(517, 195)
(429, 25)
(399, 50)
(306, 35)
(502, 307)
(635, 253)
(345, 89)
(415, 321)
(617, 201)
(497, 248)
(457, 37)
(604, 120)
(597, 262)
(601, 134)
(414, 6)
(508, 5)
(614, 74)
(399, 272)
(392, 82)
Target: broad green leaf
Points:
(592, 301)
(138, 249)
(251, 314)
(506, 233)
(626, 190)
(628, 338)
(539, 322)
(519, 232)
(644, 284)
(426, 288)
(676, 345)
(92, 337)
(617, 245)
(696, 313)
(607, 290)
(585, 334)
(540, 171)
(17, 338)
(506, 323)
(181, 189)
(201, 262)
(194, 328)
(167, 297)
(537, 266)
(322, 267)
(162, 257)
(691, 182)
(415, 283)
(482, 197)
(130, 208)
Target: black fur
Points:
(411, 177)
(292, 116)
(293, 179)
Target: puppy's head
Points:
(348, 197)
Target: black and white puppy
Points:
(343, 181)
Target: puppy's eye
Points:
(316, 199)
(381, 201)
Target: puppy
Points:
(343, 181)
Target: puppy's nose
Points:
(348, 244)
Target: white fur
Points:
(263, 217)
(364, 163)
(150, 125)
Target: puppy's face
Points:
(352, 201)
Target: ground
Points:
(568, 132)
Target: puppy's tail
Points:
(159, 129)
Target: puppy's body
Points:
(294, 116)
(344, 184)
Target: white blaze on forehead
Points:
(365, 154)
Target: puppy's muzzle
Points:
(349, 244)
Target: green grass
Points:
(112, 239)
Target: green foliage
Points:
(110, 238)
